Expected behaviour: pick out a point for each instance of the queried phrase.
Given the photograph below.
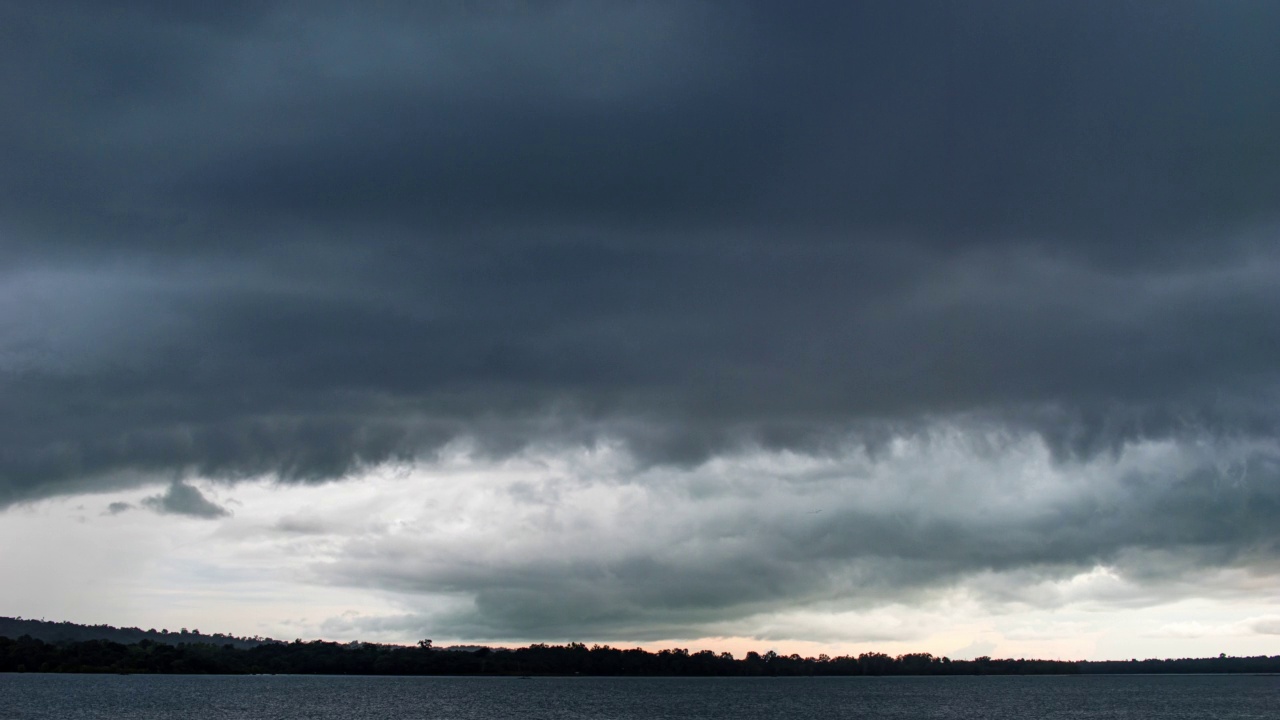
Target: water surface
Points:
(290, 697)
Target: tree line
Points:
(28, 654)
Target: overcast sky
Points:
(828, 326)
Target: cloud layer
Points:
(556, 546)
(292, 241)
(946, 540)
(298, 242)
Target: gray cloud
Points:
(600, 551)
(183, 499)
(289, 240)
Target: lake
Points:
(290, 697)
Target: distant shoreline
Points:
(29, 645)
(29, 654)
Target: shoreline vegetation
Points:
(41, 646)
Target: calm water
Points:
(66, 697)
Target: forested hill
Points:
(67, 632)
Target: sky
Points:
(815, 327)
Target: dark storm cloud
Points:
(300, 239)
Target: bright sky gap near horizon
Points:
(815, 327)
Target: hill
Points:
(68, 632)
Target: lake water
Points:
(290, 697)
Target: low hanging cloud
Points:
(181, 498)
(569, 546)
